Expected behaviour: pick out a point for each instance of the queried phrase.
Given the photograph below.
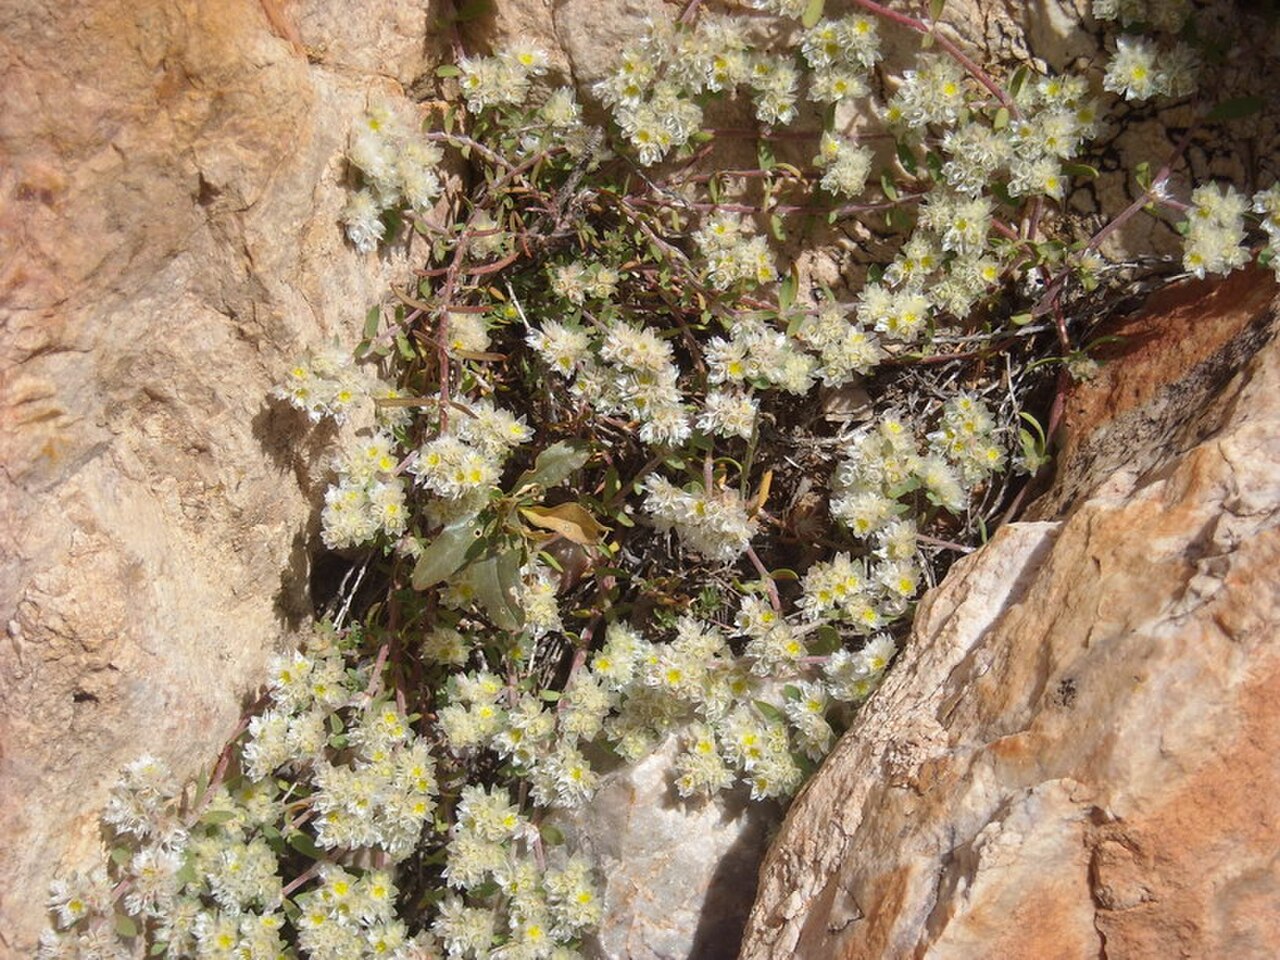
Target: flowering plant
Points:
(633, 462)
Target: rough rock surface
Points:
(678, 875)
(170, 181)
(1076, 755)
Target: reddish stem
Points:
(775, 600)
(952, 50)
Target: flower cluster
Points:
(1166, 15)
(845, 166)
(734, 253)
(694, 688)
(212, 884)
(501, 79)
(327, 383)
(355, 916)
(1266, 203)
(1215, 231)
(576, 281)
(658, 86)
(544, 910)
(541, 744)
(628, 371)
(846, 349)
(755, 353)
(462, 464)
(932, 92)
(713, 525)
(1139, 72)
(885, 464)
(399, 169)
(368, 499)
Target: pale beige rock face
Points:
(1076, 754)
(676, 874)
(169, 194)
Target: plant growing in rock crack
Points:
(625, 473)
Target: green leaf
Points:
(787, 290)
(1021, 319)
(371, 321)
(1001, 119)
(1035, 425)
(907, 157)
(158, 949)
(886, 184)
(777, 228)
(448, 70)
(764, 155)
(120, 856)
(827, 640)
(1235, 108)
(1080, 170)
(186, 873)
(497, 584)
(445, 554)
(126, 926)
(936, 7)
(1017, 80)
(569, 520)
(405, 348)
(933, 160)
(770, 712)
(555, 464)
(218, 817)
(551, 835)
(1142, 175)
(202, 787)
(812, 13)
(305, 845)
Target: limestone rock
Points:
(1076, 754)
(678, 875)
(169, 243)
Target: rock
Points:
(582, 37)
(678, 875)
(1076, 754)
(1151, 398)
(168, 245)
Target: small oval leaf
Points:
(305, 845)
(497, 584)
(555, 463)
(445, 554)
(1235, 108)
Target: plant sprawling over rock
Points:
(686, 406)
